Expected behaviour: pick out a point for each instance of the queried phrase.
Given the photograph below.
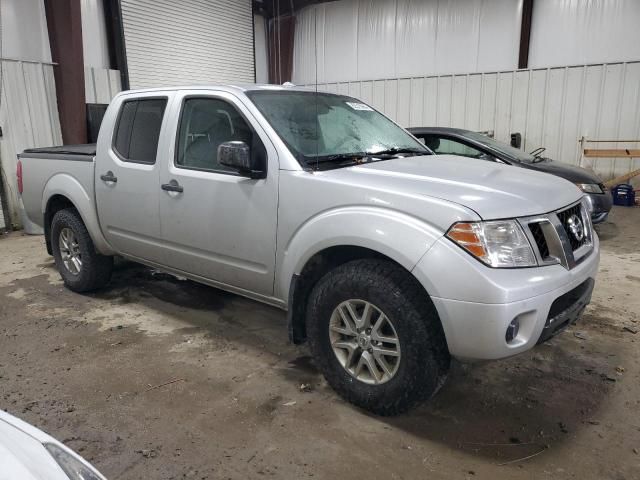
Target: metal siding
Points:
(101, 84)
(351, 40)
(29, 118)
(458, 99)
(191, 42)
(551, 107)
(2, 221)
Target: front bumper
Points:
(476, 303)
(567, 309)
(600, 205)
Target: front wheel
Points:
(82, 269)
(376, 336)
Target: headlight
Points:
(589, 187)
(500, 243)
(74, 468)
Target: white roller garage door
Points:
(189, 42)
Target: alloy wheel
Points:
(364, 341)
(70, 251)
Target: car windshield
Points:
(326, 128)
(512, 152)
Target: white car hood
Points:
(491, 189)
(23, 455)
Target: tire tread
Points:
(96, 268)
(422, 382)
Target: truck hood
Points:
(492, 190)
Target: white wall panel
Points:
(339, 26)
(29, 118)
(576, 32)
(500, 22)
(552, 107)
(416, 28)
(371, 39)
(260, 42)
(376, 40)
(457, 37)
(101, 84)
(3, 223)
(95, 48)
(24, 30)
(474, 90)
(189, 42)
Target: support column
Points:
(64, 24)
(525, 33)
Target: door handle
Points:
(109, 177)
(172, 186)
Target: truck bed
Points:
(67, 168)
(83, 152)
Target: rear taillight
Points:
(19, 176)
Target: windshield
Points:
(511, 152)
(318, 127)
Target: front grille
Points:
(541, 241)
(554, 235)
(564, 217)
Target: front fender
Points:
(401, 237)
(69, 187)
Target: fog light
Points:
(512, 330)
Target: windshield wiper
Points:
(537, 153)
(396, 150)
(337, 157)
(362, 157)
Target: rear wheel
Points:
(376, 336)
(82, 269)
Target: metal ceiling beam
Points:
(270, 8)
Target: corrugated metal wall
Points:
(29, 118)
(193, 41)
(3, 222)
(549, 107)
(371, 39)
(101, 84)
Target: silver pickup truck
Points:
(388, 259)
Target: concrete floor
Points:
(246, 404)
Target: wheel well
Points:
(315, 268)
(54, 205)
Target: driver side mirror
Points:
(238, 156)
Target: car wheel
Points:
(82, 269)
(376, 336)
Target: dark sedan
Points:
(476, 145)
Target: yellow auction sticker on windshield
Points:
(360, 106)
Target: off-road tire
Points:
(425, 359)
(96, 269)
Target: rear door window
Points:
(138, 130)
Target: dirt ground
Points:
(158, 378)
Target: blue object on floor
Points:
(623, 194)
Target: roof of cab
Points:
(436, 130)
(232, 88)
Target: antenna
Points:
(315, 44)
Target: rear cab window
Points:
(138, 129)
